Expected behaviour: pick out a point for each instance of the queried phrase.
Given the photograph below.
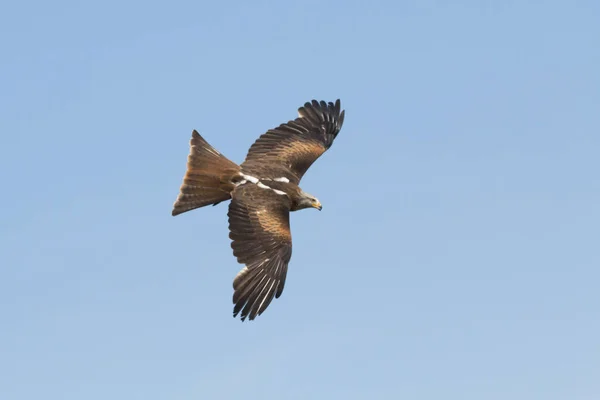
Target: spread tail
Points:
(209, 177)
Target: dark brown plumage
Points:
(291, 148)
(264, 189)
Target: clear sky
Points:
(457, 254)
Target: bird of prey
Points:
(263, 190)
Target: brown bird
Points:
(263, 190)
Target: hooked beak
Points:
(318, 206)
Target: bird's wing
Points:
(291, 148)
(259, 224)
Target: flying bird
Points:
(263, 190)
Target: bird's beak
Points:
(318, 206)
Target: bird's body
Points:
(264, 189)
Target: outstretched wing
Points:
(291, 148)
(259, 224)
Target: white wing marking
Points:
(249, 178)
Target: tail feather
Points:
(208, 179)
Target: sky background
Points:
(457, 254)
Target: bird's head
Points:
(308, 201)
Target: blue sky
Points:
(457, 252)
